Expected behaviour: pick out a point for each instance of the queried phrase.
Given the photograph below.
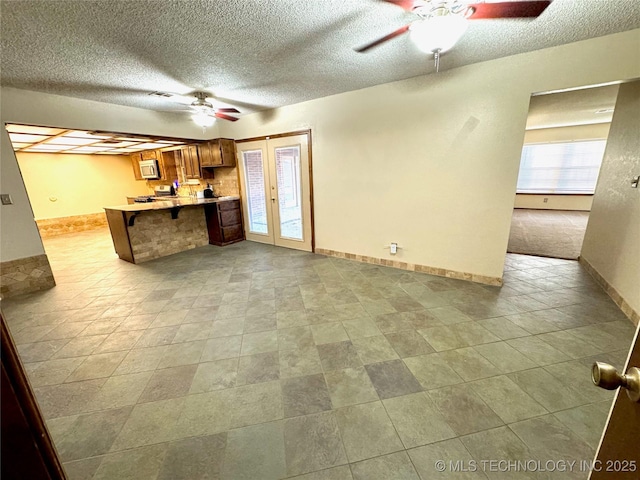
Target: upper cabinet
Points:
(135, 164)
(196, 160)
(167, 164)
(209, 155)
(191, 162)
(220, 152)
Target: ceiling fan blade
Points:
(227, 110)
(531, 9)
(226, 117)
(386, 38)
(405, 4)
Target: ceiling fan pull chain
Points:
(436, 59)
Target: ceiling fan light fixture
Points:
(202, 119)
(438, 33)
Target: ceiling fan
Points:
(442, 23)
(204, 114)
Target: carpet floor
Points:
(547, 233)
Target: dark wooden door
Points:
(27, 448)
(619, 454)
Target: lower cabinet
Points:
(224, 222)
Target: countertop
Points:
(168, 204)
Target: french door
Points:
(276, 191)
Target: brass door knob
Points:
(606, 376)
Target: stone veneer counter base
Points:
(146, 231)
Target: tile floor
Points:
(257, 362)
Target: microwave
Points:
(149, 169)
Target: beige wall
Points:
(554, 202)
(64, 185)
(567, 134)
(432, 162)
(612, 240)
(19, 236)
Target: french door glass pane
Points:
(289, 197)
(256, 197)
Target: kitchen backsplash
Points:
(224, 183)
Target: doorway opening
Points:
(276, 188)
(564, 144)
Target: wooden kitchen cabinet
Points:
(208, 155)
(220, 152)
(135, 164)
(224, 222)
(227, 152)
(168, 166)
(191, 162)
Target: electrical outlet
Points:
(394, 248)
(545, 200)
(5, 198)
(634, 182)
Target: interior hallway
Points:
(252, 361)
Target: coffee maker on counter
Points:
(208, 192)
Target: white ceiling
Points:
(253, 54)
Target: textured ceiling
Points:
(253, 54)
(575, 107)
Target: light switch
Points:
(5, 198)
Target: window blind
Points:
(564, 168)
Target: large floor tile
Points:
(255, 452)
(136, 464)
(216, 375)
(469, 364)
(417, 420)
(305, 395)
(350, 387)
(547, 437)
(149, 423)
(508, 400)
(90, 435)
(299, 362)
(168, 383)
(338, 356)
(547, 390)
(451, 452)
(264, 367)
(392, 379)
(463, 410)
(499, 444)
(506, 358)
(538, 351)
(312, 442)
(367, 431)
(409, 343)
(396, 465)
(374, 349)
(587, 421)
(432, 371)
(196, 458)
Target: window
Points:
(563, 168)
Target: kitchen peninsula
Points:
(145, 231)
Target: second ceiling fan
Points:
(441, 23)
